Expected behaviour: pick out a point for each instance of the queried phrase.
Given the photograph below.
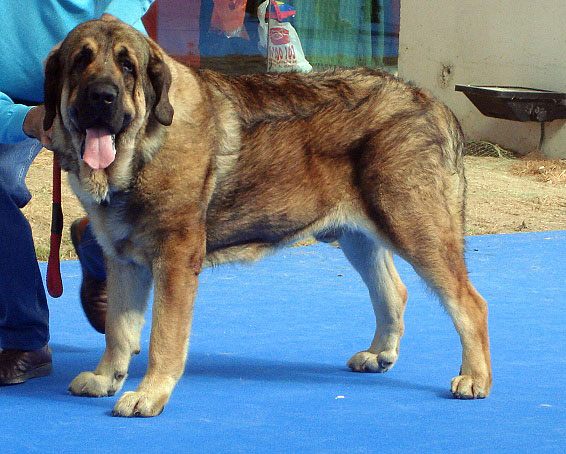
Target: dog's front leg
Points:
(175, 285)
(128, 290)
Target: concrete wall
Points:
(490, 42)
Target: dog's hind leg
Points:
(128, 290)
(440, 261)
(388, 296)
(418, 206)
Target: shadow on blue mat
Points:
(238, 367)
(64, 348)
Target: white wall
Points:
(490, 42)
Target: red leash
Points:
(54, 282)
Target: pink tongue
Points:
(99, 150)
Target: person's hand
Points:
(33, 126)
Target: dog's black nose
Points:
(102, 94)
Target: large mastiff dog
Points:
(180, 168)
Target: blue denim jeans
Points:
(24, 316)
(90, 255)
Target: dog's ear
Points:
(108, 17)
(51, 87)
(160, 78)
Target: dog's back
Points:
(323, 151)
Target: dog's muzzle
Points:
(99, 115)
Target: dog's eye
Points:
(128, 67)
(83, 58)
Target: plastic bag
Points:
(281, 41)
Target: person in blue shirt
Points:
(29, 31)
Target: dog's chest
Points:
(116, 230)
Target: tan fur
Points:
(249, 164)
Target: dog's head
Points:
(103, 84)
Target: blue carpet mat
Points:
(266, 370)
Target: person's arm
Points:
(12, 118)
(127, 10)
(19, 122)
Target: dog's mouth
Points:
(99, 136)
(98, 148)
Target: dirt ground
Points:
(504, 196)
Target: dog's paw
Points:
(370, 362)
(139, 403)
(468, 387)
(93, 385)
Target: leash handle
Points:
(54, 282)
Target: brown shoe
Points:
(18, 366)
(93, 294)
